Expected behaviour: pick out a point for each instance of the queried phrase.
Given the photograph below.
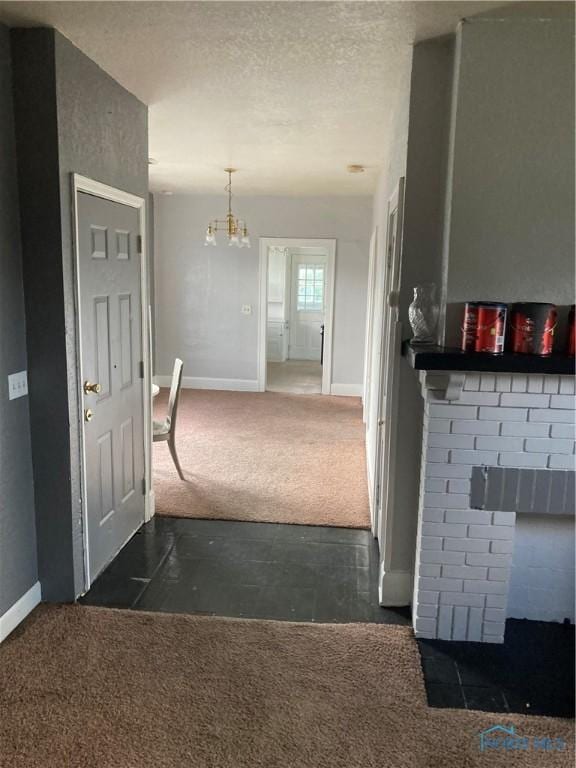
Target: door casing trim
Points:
(291, 242)
(370, 301)
(98, 189)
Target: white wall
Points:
(200, 290)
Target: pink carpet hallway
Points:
(265, 457)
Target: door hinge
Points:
(141, 369)
(139, 244)
(144, 486)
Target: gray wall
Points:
(487, 150)
(510, 234)
(200, 290)
(426, 168)
(18, 569)
(428, 127)
(71, 117)
(420, 150)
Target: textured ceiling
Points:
(288, 92)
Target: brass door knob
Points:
(88, 414)
(92, 388)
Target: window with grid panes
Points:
(310, 288)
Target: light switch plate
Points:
(246, 309)
(17, 385)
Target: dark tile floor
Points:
(531, 673)
(251, 570)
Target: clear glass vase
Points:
(423, 314)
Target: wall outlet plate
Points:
(246, 309)
(17, 385)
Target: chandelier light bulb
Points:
(210, 236)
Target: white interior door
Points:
(112, 375)
(275, 342)
(307, 305)
(391, 350)
(286, 306)
(369, 326)
(277, 327)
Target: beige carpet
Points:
(102, 688)
(265, 457)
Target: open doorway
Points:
(296, 315)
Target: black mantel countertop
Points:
(447, 359)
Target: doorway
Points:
(113, 375)
(296, 315)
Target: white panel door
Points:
(277, 330)
(389, 380)
(307, 305)
(111, 334)
(275, 352)
(369, 327)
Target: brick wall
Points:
(464, 555)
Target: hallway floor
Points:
(247, 570)
(296, 377)
(265, 457)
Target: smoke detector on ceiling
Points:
(353, 168)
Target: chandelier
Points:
(236, 229)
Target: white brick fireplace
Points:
(475, 422)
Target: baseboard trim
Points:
(18, 612)
(346, 390)
(395, 588)
(199, 382)
(246, 385)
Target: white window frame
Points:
(314, 306)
